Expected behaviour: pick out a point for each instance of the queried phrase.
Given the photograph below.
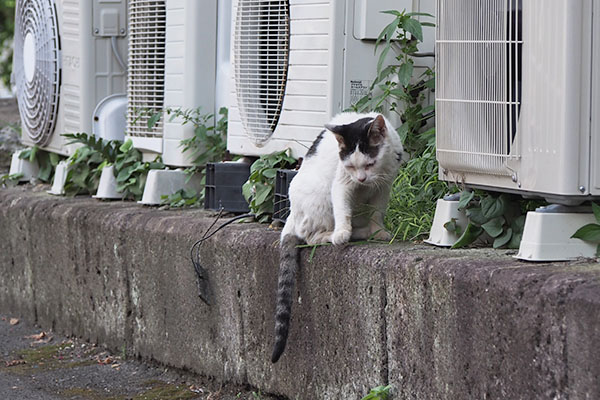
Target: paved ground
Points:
(36, 365)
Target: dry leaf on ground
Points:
(105, 361)
(39, 336)
(12, 363)
(14, 321)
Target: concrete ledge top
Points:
(435, 323)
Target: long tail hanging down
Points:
(288, 265)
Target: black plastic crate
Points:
(224, 186)
(281, 206)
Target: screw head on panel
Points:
(582, 189)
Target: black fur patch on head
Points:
(313, 148)
(355, 134)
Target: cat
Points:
(340, 193)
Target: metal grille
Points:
(146, 71)
(37, 78)
(478, 63)
(261, 50)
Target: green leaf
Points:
(430, 84)
(471, 233)
(465, 199)
(453, 227)
(596, 209)
(247, 190)
(503, 239)
(403, 131)
(262, 192)
(153, 120)
(494, 227)
(428, 109)
(387, 33)
(270, 173)
(382, 57)
(414, 27)
(405, 74)
(515, 240)
(24, 154)
(588, 233)
(413, 14)
(475, 215)
(125, 147)
(392, 12)
(32, 155)
(123, 175)
(519, 224)
(493, 207)
(381, 75)
(54, 159)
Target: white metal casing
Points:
(325, 67)
(89, 70)
(174, 43)
(556, 150)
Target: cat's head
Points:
(361, 146)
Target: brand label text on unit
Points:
(71, 62)
(358, 90)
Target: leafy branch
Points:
(45, 160)
(86, 163)
(395, 88)
(501, 218)
(379, 393)
(259, 190)
(591, 232)
(208, 144)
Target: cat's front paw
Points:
(340, 237)
(382, 235)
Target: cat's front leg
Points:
(342, 214)
(376, 222)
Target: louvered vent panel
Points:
(145, 81)
(478, 62)
(36, 67)
(261, 53)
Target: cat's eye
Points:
(369, 165)
(350, 167)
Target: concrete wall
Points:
(436, 324)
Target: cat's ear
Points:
(377, 131)
(334, 128)
(337, 132)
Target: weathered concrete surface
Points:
(436, 324)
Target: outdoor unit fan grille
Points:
(36, 67)
(478, 64)
(145, 82)
(261, 50)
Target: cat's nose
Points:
(362, 178)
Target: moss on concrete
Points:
(166, 391)
(159, 390)
(47, 358)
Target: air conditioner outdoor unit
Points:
(172, 65)
(518, 103)
(297, 63)
(67, 60)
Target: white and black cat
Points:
(340, 193)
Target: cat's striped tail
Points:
(288, 265)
